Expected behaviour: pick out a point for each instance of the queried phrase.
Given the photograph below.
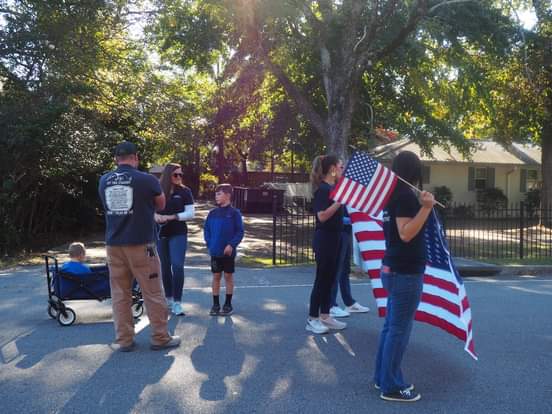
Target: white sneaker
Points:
(315, 326)
(177, 308)
(170, 303)
(337, 312)
(333, 324)
(358, 308)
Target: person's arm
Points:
(327, 214)
(238, 236)
(409, 227)
(238, 225)
(159, 202)
(187, 214)
(207, 230)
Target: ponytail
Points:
(320, 168)
(316, 173)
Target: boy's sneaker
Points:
(358, 308)
(214, 310)
(333, 324)
(177, 309)
(170, 303)
(315, 326)
(226, 310)
(401, 396)
(337, 312)
(171, 343)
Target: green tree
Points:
(323, 52)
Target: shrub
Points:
(491, 199)
(532, 201)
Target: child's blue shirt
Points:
(76, 268)
(224, 226)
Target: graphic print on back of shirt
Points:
(119, 195)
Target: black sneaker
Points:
(402, 396)
(226, 310)
(215, 310)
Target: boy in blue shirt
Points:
(75, 265)
(223, 231)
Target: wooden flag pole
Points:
(417, 189)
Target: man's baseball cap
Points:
(125, 148)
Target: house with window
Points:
(514, 169)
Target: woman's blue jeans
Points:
(404, 292)
(172, 253)
(343, 271)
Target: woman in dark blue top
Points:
(329, 224)
(173, 234)
(402, 274)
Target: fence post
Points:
(274, 228)
(521, 225)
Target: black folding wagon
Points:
(64, 286)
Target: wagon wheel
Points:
(52, 312)
(137, 309)
(68, 318)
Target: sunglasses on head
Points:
(176, 175)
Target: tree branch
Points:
(446, 3)
(418, 12)
(301, 102)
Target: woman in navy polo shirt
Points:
(402, 274)
(326, 171)
(173, 235)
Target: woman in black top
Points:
(173, 235)
(402, 274)
(329, 224)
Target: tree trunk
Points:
(340, 114)
(244, 178)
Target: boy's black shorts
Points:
(224, 264)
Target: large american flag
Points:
(366, 184)
(444, 302)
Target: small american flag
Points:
(444, 302)
(366, 185)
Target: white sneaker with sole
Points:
(337, 312)
(333, 324)
(315, 326)
(177, 308)
(357, 308)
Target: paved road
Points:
(261, 360)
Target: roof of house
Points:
(529, 153)
(487, 152)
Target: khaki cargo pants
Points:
(140, 262)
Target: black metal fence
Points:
(511, 232)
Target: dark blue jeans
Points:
(343, 271)
(404, 293)
(172, 253)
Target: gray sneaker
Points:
(333, 324)
(171, 343)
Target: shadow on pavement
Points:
(217, 363)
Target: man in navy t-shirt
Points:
(130, 199)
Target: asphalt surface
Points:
(261, 359)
